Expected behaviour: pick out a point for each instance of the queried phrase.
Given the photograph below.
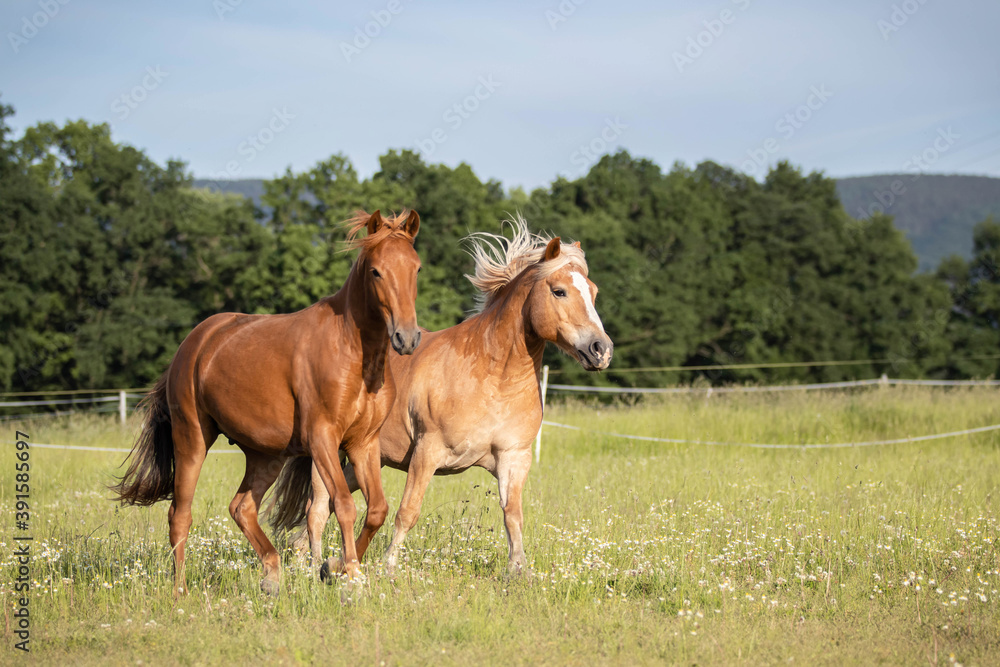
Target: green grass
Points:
(642, 553)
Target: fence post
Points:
(122, 406)
(538, 438)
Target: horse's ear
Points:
(552, 249)
(375, 222)
(412, 224)
(576, 244)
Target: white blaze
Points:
(581, 284)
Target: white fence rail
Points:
(95, 403)
(764, 445)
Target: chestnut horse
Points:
(280, 386)
(470, 395)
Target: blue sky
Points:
(522, 91)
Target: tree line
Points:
(108, 260)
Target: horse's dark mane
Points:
(393, 227)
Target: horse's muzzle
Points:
(595, 355)
(405, 342)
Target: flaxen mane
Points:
(356, 223)
(499, 260)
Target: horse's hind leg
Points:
(318, 514)
(190, 448)
(367, 468)
(260, 475)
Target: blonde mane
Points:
(356, 223)
(500, 260)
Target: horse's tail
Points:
(291, 495)
(150, 476)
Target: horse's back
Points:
(237, 369)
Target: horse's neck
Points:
(362, 328)
(510, 341)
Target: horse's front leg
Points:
(512, 472)
(366, 462)
(325, 457)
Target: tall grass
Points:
(641, 552)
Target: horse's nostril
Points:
(597, 348)
(397, 340)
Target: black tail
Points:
(291, 495)
(150, 476)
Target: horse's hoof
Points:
(350, 593)
(519, 571)
(300, 543)
(353, 589)
(329, 570)
(390, 566)
(270, 586)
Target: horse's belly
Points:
(463, 455)
(261, 422)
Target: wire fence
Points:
(779, 364)
(849, 384)
(121, 401)
(99, 402)
(762, 445)
(883, 381)
(115, 450)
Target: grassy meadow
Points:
(641, 552)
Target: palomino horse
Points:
(281, 386)
(470, 396)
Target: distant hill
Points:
(937, 213)
(248, 187)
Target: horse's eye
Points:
(376, 274)
(559, 292)
(419, 269)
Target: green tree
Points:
(973, 326)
